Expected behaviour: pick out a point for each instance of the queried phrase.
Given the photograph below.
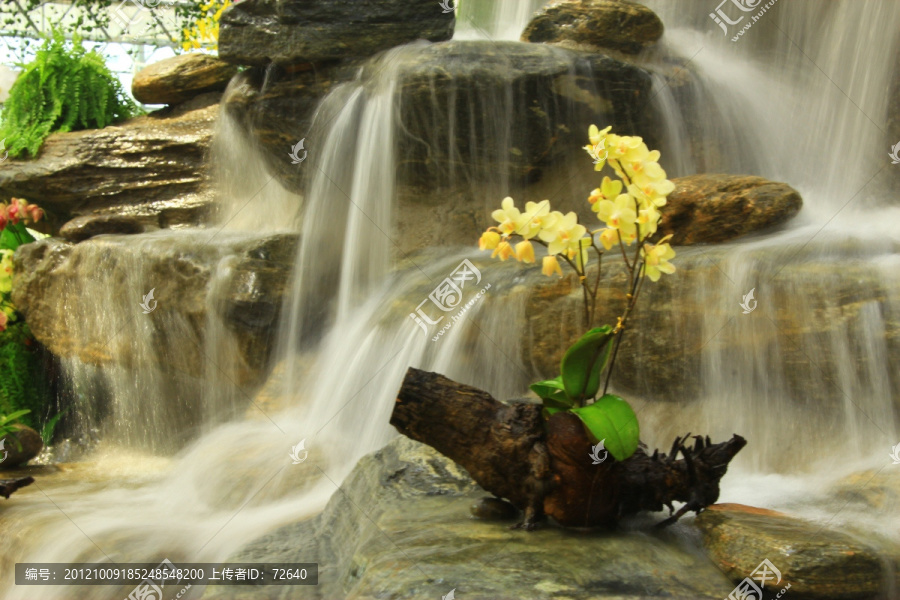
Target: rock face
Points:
(401, 529)
(181, 78)
(806, 307)
(718, 208)
(602, 24)
(150, 166)
(533, 104)
(20, 446)
(83, 228)
(816, 562)
(259, 32)
(248, 275)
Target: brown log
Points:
(8, 486)
(544, 467)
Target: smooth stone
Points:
(21, 446)
(86, 227)
(259, 32)
(180, 78)
(706, 209)
(817, 562)
(601, 24)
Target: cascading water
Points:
(348, 339)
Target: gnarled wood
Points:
(8, 486)
(545, 467)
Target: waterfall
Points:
(797, 99)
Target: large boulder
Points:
(247, 275)
(718, 208)
(150, 166)
(532, 105)
(180, 78)
(259, 32)
(599, 24)
(816, 562)
(419, 500)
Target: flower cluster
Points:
(19, 210)
(205, 31)
(628, 207)
(7, 310)
(13, 217)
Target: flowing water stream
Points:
(797, 99)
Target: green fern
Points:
(62, 89)
(18, 374)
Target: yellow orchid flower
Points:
(569, 233)
(618, 214)
(530, 222)
(656, 258)
(608, 190)
(489, 240)
(503, 250)
(525, 252)
(508, 216)
(550, 265)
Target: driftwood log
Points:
(8, 486)
(544, 468)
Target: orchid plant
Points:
(629, 209)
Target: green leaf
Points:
(14, 236)
(13, 416)
(551, 388)
(584, 361)
(611, 419)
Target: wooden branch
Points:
(8, 486)
(544, 467)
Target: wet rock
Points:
(180, 78)
(401, 529)
(684, 319)
(494, 509)
(817, 562)
(602, 24)
(19, 446)
(250, 284)
(83, 228)
(718, 208)
(549, 94)
(150, 166)
(259, 32)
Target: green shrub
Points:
(62, 89)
